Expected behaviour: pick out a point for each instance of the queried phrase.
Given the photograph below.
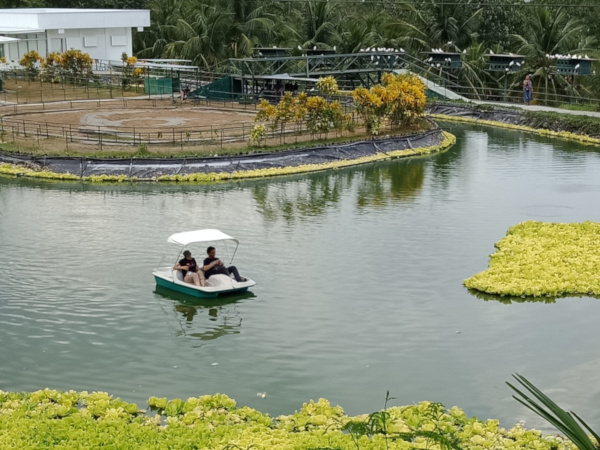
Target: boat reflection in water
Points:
(202, 319)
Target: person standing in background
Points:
(527, 90)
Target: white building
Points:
(103, 33)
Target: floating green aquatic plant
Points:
(540, 259)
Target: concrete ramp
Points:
(434, 90)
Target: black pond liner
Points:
(498, 115)
(150, 168)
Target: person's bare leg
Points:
(196, 280)
(199, 279)
(190, 278)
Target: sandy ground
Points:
(143, 120)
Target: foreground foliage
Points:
(544, 259)
(65, 420)
(565, 422)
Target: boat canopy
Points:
(189, 237)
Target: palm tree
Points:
(255, 23)
(203, 35)
(319, 23)
(473, 73)
(445, 25)
(358, 32)
(550, 34)
(152, 42)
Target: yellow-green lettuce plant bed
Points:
(23, 171)
(68, 420)
(581, 138)
(539, 259)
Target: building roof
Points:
(22, 20)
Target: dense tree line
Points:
(208, 32)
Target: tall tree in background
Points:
(203, 33)
(319, 23)
(164, 15)
(549, 34)
(436, 24)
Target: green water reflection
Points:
(204, 319)
(359, 290)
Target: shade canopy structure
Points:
(4, 39)
(209, 235)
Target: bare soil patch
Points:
(26, 91)
(142, 119)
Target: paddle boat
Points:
(216, 285)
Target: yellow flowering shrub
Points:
(31, 59)
(265, 112)
(328, 86)
(52, 59)
(400, 99)
(258, 134)
(317, 113)
(538, 259)
(76, 62)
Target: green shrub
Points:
(66, 420)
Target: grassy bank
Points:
(67, 420)
(540, 259)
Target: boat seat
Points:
(220, 281)
(177, 275)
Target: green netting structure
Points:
(159, 86)
(226, 88)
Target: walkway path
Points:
(538, 108)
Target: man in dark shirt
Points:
(190, 270)
(213, 266)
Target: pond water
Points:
(359, 288)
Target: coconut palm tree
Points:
(320, 21)
(165, 15)
(445, 25)
(255, 24)
(474, 74)
(550, 34)
(204, 32)
(358, 32)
